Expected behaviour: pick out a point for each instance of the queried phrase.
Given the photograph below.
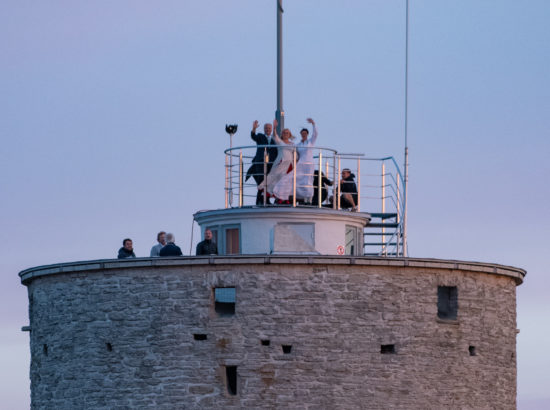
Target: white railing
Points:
(379, 182)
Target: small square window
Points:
(387, 349)
(224, 301)
(447, 302)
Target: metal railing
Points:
(379, 184)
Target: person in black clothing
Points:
(207, 247)
(127, 250)
(348, 189)
(324, 191)
(256, 170)
(170, 249)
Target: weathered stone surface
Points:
(335, 317)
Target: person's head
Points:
(170, 238)
(268, 128)
(346, 173)
(208, 235)
(304, 133)
(286, 135)
(127, 244)
(161, 237)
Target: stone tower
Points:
(293, 313)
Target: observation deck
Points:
(324, 223)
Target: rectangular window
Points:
(232, 241)
(227, 238)
(447, 302)
(387, 349)
(231, 379)
(224, 301)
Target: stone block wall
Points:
(122, 335)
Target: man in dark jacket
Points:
(170, 249)
(208, 246)
(256, 170)
(324, 191)
(348, 189)
(127, 250)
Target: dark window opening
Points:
(199, 336)
(45, 349)
(387, 349)
(447, 302)
(472, 350)
(109, 347)
(287, 349)
(224, 301)
(266, 342)
(231, 376)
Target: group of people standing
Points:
(277, 167)
(278, 182)
(166, 246)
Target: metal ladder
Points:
(383, 236)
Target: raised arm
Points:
(278, 140)
(253, 134)
(314, 134)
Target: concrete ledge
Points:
(29, 274)
(289, 212)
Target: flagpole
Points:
(280, 114)
(406, 165)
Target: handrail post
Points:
(231, 170)
(294, 177)
(226, 184)
(320, 180)
(266, 159)
(384, 247)
(241, 179)
(339, 173)
(358, 185)
(398, 219)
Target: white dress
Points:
(305, 168)
(277, 182)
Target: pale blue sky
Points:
(112, 125)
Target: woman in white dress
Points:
(305, 166)
(275, 184)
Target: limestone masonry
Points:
(308, 332)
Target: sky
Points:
(112, 119)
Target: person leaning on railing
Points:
(256, 170)
(324, 191)
(170, 249)
(127, 250)
(208, 246)
(161, 242)
(348, 189)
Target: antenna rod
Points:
(280, 114)
(406, 171)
